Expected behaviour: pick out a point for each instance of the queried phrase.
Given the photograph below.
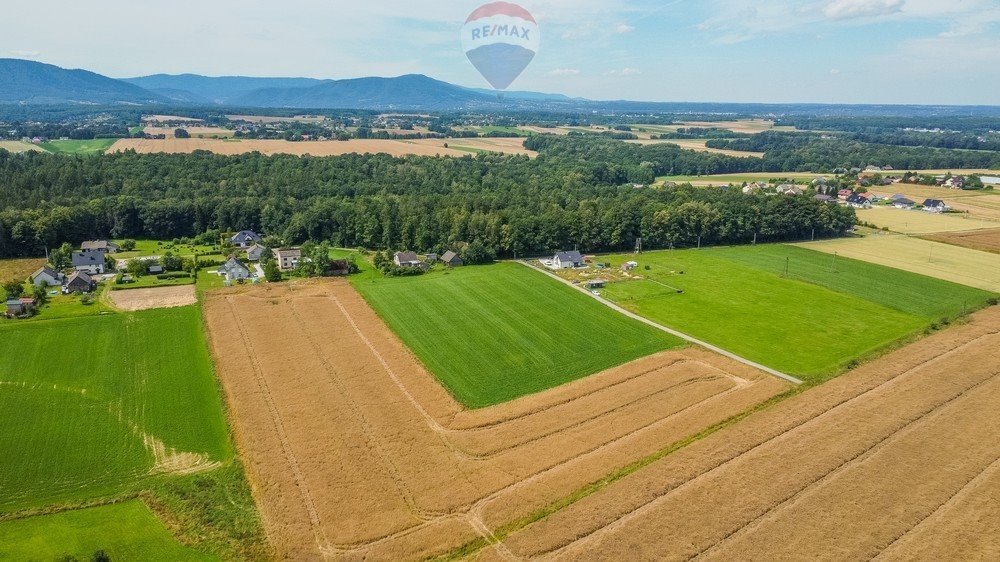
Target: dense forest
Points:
(577, 193)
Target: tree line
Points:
(509, 205)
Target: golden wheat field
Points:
(921, 222)
(934, 259)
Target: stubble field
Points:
(934, 259)
(355, 451)
(984, 240)
(421, 147)
(896, 461)
(921, 222)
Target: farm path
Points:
(671, 331)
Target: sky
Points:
(770, 51)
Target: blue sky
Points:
(827, 51)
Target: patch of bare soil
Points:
(156, 297)
(898, 459)
(355, 451)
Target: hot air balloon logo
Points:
(501, 40)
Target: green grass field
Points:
(126, 531)
(94, 146)
(494, 333)
(148, 281)
(812, 323)
(86, 402)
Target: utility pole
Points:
(787, 263)
(834, 262)
(699, 242)
(754, 238)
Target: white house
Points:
(89, 261)
(406, 259)
(47, 276)
(567, 260)
(234, 270)
(935, 206)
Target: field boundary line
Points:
(862, 457)
(944, 507)
(671, 331)
(894, 380)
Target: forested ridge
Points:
(577, 193)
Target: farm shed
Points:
(21, 306)
(451, 259)
(79, 282)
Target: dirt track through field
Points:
(354, 450)
(893, 460)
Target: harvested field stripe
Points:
(808, 423)
(670, 331)
(320, 535)
(943, 509)
(863, 455)
(364, 422)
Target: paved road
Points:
(670, 331)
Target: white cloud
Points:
(848, 9)
(834, 71)
(628, 71)
(564, 72)
(623, 28)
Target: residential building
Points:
(567, 260)
(255, 252)
(245, 239)
(101, 245)
(287, 258)
(903, 203)
(47, 276)
(935, 206)
(234, 270)
(858, 201)
(406, 259)
(89, 261)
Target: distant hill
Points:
(23, 81)
(413, 91)
(222, 90)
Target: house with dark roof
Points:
(234, 270)
(935, 206)
(46, 276)
(79, 282)
(567, 260)
(245, 238)
(825, 198)
(89, 261)
(451, 259)
(903, 203)
(102, 245)
(406, 259)
(858, 201)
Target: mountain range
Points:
(30, 82)
(25, 83)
